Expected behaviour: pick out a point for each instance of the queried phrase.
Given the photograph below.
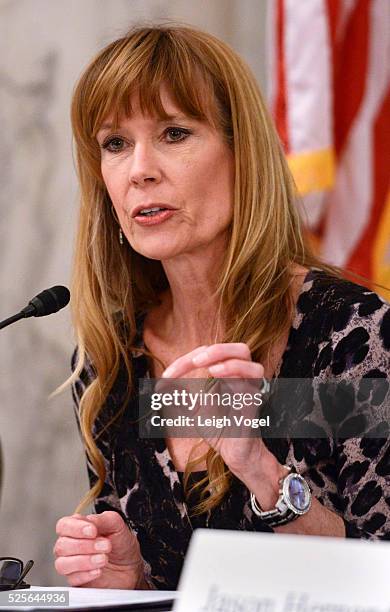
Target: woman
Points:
(219, 282)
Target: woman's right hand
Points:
(98, 551)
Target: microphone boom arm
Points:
(12, 319)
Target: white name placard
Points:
(236, 571)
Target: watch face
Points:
(297, 493)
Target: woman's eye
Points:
(114, 144)
(176, 134)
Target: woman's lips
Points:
(158, 217)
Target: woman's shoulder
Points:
(321, 288)
(343, 302)
(339, 327)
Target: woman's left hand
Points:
(233, 361)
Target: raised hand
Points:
(233, 361)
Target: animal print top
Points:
(340, 329)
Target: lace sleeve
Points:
(363, 483)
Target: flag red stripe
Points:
(333, 12)
(280, 109)
(350, 71)
(361, 259)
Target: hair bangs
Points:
(141, 70)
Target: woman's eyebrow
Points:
(105, 126)
(175, 117)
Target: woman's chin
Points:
(158, 253)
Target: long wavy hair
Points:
(210, 82)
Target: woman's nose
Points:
(144, 165)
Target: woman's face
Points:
(182, 164)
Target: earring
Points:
(117, 220)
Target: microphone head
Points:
(50, 300)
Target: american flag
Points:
(329, 84)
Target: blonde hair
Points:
(208, 81)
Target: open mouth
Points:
(154, 215)
(152, 212)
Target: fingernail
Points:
(201, 358)
(88, 530)
(94, 573)
(98, 559)
(217, 368)
(101, 545)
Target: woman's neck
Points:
(189, 308)
(192, 318)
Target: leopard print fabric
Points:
(341, 331)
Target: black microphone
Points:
(45, 303)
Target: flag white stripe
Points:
(308, 76)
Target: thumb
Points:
(125, 546)
(108, 522)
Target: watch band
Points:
(274, 518)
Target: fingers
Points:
(78, 550)
(80, 554)
(75, 527)
(80, 563)
(64, 547)
(83, 578)
(203, 357)
(237, 368)
(184, 363)
(89, 547)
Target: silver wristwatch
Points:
(294, 500)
